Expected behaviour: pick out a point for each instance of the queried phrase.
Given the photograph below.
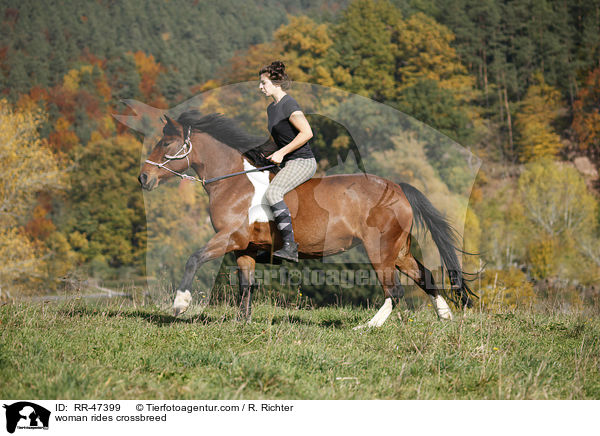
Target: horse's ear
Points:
(170, 128)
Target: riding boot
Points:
(283, 219)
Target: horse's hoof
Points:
(360, 327)
(182, 302)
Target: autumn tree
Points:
(425, 52)
(586, 115)
(363, 56)
(149, 71)
(28, 167)
(538, 110)
(104, 220)
(306, 44)
(559, 209)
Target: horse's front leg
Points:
(246, 266)
(220, 244)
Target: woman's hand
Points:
(276, 157)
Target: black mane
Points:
(228, 132)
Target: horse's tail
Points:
(446, 240)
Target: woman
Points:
(290, 131)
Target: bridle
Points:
(184, 151)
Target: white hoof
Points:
(380, 316)
(441, 308)
(182, 302)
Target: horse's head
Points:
(168, 157)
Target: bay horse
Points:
(362, 208)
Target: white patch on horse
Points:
(441, 308)
(259, 211)
(182, 302)
(380, 316)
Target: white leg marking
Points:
(182, 302)
(380, 316)
(259, 211)
(441, 308)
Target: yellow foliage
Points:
(28, 166)
(71, 80)
(501, 289)
(20, 260)
(96, 136)
(537, 139)
(541, 255)
(305, 44)
(63, 257)
(426, 53)
(555, 198)
(472, 234)
(533, 122)
(62, 124)
(341, 141)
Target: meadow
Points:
(115, 349)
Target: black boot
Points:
(283, 219)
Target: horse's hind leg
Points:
(410, 266)
(246, 265)
(388, 278)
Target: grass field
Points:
(79, 350)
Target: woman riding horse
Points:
(290, 131)
(331, 214)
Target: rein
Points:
(185, 150)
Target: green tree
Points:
(104, 217)
(363, 58)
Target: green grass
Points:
(78, 350)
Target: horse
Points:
(362, 208)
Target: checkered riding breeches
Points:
(294, 173)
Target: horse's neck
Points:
(212, 158)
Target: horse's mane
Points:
(228, 132)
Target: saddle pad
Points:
(259, 211)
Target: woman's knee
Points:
(273, 195)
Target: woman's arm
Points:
(300, 122)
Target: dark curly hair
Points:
(276, 73)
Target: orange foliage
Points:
(62, 138)
(245, 65)
(90, 103)
(586, 114)
(65, 101)
(104, 89)
(38, 93)
(148, 70)
(39, 226)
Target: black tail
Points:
(446, 240)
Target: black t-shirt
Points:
(284, 132)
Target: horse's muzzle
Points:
(146, 181)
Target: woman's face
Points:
(266, 86)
